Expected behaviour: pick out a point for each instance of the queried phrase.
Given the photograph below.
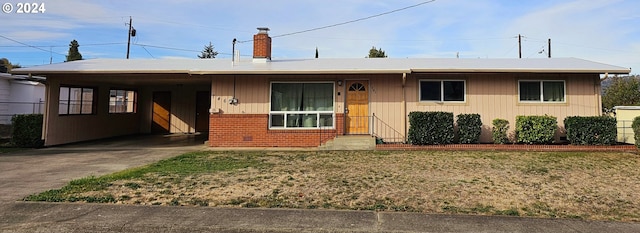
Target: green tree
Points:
(5, 65)
(373, 52)
(208, 52)
(74, 54)
(622, 91)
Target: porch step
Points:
(350, 142)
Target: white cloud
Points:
(598, 30)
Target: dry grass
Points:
(593, 186)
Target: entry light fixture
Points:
(233, 101)
(339, 83)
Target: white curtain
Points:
(553, 91)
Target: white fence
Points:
(9, 109)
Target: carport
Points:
(90, 100)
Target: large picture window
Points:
(442, 90)
(122, 101)
(301, 105)
(541, 91)
(76, 100)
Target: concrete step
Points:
(350, 142)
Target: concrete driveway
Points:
(33, 171)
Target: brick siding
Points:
(252, 130)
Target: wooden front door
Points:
(161, 118)
(203, 103)
(357, 111)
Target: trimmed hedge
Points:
(27, 130)
(430, 128)
(536, 129)
(499, 131)
(469, 128)
(594, 130)
(636, 130)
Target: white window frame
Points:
(318, 113)
(133, 103)
(464, 94)
(564, 87)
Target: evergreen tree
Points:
(622, 91)
(74, 54)
(208, 52)
(373, 52)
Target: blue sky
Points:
(605, 31)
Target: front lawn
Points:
(593, 186)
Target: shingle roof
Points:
(327, 66)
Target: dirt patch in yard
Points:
(594, 186)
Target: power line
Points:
(173, 48)
(31, 46)
(163, 47)
(186, 24)
(145, 49)
(348, 22)
(59, 46)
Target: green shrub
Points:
(499, 131)
(636, 130)
(595, 130)
(431, 128)
(27, 130)
(469, 128)
(535, 129)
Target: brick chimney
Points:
(262, 46)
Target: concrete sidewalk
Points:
(69, 217)
(34, 171)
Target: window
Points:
(76, 100)
(301, 105)
(542, 91)
(442, 90)
(122, 101)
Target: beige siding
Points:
(496, 96)
(251, 91)
(386, 98)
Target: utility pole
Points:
(519, 46)
(132, 32)
(549, 47)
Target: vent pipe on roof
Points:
(262, 45)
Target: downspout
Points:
(48, 101)
(404, 106)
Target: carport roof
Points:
(325, 66)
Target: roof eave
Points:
(268, 72)
(49, 72)
(573, 71)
